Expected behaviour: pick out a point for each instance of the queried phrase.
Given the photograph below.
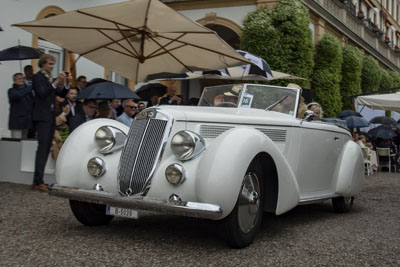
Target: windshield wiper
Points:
(276, 103)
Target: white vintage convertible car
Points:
(240, 153)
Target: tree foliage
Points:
(282, 37)
(327, 75)
(371, 74)
(351, 75)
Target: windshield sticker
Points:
(247, 100)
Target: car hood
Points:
(228, 115)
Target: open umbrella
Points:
(107, 90)
(356, 122)
(19, 52)
(383, 120)
(259, 70)
(152, 89)
(137, 38)
(347, 113)
(95, 80)
(383, 131)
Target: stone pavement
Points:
(39, 230)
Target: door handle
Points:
(336, 138)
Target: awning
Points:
(383, 101)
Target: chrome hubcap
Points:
(249, 202)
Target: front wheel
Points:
(342, 204)
(90, 214)
(241, 226)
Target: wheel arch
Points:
(271, 182)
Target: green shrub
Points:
(282, 37)
(351, 75)
(395, 78)
(327, 75)
(371, 74)
(386, 81)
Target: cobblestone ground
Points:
(39, 230)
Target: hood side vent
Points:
(211, 131)
(275, 135)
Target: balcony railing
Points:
(346, 13)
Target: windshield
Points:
(280, 99)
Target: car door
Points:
(320, 147)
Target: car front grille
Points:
(140, 155)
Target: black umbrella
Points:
(95, 80)
(107, 90)
(151, 89)
(383, 131)
(347, 113)
(19, 52)
(356, 122)
(383, 120)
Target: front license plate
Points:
(122, 212)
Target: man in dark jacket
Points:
(172, 98)
(89, 113)
(43, 112)
(21, 101)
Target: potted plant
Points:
(386, 39)
(360, 14)
(396, 49)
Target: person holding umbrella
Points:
(21, 101)
(45, 89)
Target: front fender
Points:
(349, 172)
(71, 166)
(224, 164)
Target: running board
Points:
(308, 200)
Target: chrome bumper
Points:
(183, 208)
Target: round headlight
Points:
(186, 145)
(175, 174)
(96, 167)
(109, 139)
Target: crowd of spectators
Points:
(46, 108)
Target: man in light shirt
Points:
(129, 111)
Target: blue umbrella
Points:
(107, 90)
(383, 131)
(356, 122)
(347, 113)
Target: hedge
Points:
(282, 37)
(371, 74)
(351, 75)
(327, 75)
(386, 81)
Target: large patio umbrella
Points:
(137, 38)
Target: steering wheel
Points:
(227, 105)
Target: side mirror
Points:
(309, 115)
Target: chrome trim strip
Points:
(308, 200)
(191, 209)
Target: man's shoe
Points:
(40, 187)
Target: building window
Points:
(312, 28)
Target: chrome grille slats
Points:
(276, 135)
(147, 155)
(140, 154)
(128, 156)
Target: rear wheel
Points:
(342, 204)
(90, 214)
(241, 226)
